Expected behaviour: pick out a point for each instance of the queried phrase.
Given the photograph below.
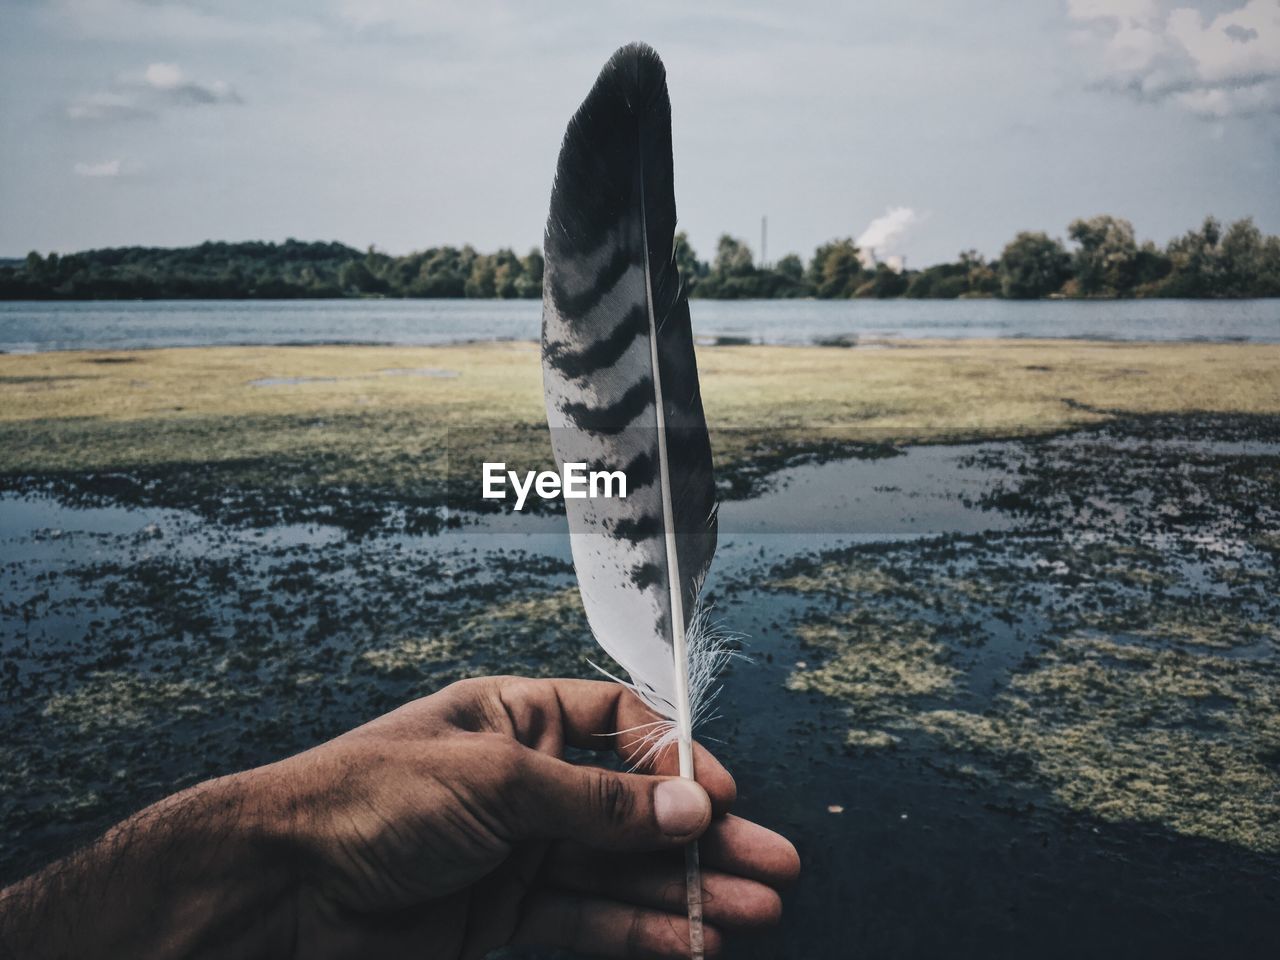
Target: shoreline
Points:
(850, 342)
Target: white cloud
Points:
(884, 231)
(106, 105)
(167, 82)
(1214, 66)
(160, 86)
(107, 168)
(163, 76)
(1234, 47)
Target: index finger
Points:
(548, 715)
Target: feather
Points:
(621, 384)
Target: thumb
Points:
(606, 809)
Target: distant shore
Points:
(1210, 262)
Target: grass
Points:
(393, 421)
(908, 389)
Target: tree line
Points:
(257, 270)
(1103, 260)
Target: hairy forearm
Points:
(205, 873)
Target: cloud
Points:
(1215, 66)
(167, 80)
(107, 168)
(107, 105)
(885, 230)
(1239, 33)
(159, 87)
(1119, 10)
(163, 76)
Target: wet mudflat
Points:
(1009, 699)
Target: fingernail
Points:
(680, 806)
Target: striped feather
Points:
(616, 342)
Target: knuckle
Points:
(472, 690)
(612, 801)
(507, 760)
(468, 687)
(476, 704)
(497, 768)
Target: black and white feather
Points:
(622, 390)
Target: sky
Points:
(920, 127)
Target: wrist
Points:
(252, 834)
(207, 872)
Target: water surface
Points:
(27, 326)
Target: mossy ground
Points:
(1125, 658)
(362, 433)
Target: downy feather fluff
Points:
(622, 391)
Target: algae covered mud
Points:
(1015, 690)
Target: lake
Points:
(27, 327)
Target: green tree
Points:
(790, 267)
(506, 274)
(942, 281)
(529, 286)
(883, 284)
(733, 275)
(1033, 265)
(836, 271)
(980, 277)
(442, 272)
(1241, 253)
(1150, 267)
(355, 277)
(733, 258)
(480, 282)
(379, 266)
(692, 270)
(1105, 261)
(1269, 269)
(1195, 263)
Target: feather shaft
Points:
(679, 645)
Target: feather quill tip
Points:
(711, 646)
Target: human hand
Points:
(441, 830)
(452, 826)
